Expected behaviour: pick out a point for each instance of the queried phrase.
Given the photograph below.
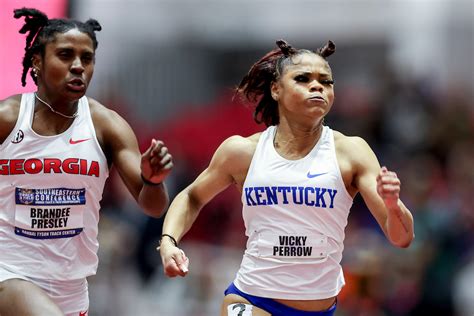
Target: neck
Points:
(295, 142)
(50, 107)
(297, 134)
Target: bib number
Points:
(292, 246)
(49, 213)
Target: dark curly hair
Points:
(42, 30)
(255, 87)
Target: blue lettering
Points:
(274, 195)
(295, 199)
(320, 197)
(248, 197)
(271, 195)
(306, 196)
(284, 190)
(332, 194)
(258, 195)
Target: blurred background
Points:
(404, 72)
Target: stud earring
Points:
(35, 72)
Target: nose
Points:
(315, 85)
(77, 67)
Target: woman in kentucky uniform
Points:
(56, 149)
(298, 179)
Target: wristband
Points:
(170, 237)
(148, 182)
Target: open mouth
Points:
(76, 85)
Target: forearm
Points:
(153, 199)
(399, 225)
(181, 215)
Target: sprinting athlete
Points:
(298, 179)
(56, 150)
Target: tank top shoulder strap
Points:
(25, 116)
(265, 139)
(86, 115)
(260, 149)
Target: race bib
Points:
(49, 213)
(239, 309)
(292, 246)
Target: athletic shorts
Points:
(276, 308)
(72, 297)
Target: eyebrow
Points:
(62, 48)
(308, 73)
(71, 49)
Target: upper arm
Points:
(229, 165)
(366, 167)
(9, 110)
(120, 145)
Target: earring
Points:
(35, 72)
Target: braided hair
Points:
(255, 87)
(42, 30)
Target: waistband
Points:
(275, 308)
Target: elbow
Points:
(155, 213)
(156, 210)
(402, 245)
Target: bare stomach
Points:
(312, 305)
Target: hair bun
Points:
(285, 48)
(94, 24)
(328, 49)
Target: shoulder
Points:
(352, 146)
(9, 110)
(112, 130)
(10, 107)
(100, 113)
(354, 153)
(107, 123)
(238, 148)
(235, 154)
(240, 145)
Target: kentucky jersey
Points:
(295, 213)
(50, 189)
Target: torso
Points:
(50, 191)
(247, 147)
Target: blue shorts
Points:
(275, 308)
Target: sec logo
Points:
(18, 137)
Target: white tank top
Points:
(50, 189)
(295, 212)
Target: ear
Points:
(275, 90)
(36, 61)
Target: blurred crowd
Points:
(424, 132)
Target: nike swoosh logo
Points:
(315, 175)
(77, 141)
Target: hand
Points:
(156, 162)
(174, 260)
(388, 187)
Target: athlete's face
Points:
(67, 67)
(305, 88)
